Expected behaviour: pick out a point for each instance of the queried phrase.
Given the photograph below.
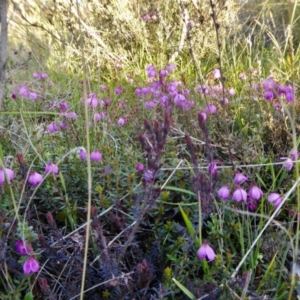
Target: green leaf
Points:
(184, 289)
(261, 181)
(187, 221)
(270, 269)
(63, 183)
(189, 226)
(176, 189)
(28, 296)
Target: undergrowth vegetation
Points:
(150, 151)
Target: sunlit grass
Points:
(143, 241)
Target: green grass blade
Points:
(269, 270)
(184, 289)
(176, 189)
(189, 226)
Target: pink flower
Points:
(243, 76)
(288, 164)
(30, 266)
(179, 99)
(269, 84)
(290, 96)
(53, 127)
(118, 90)
(23, 91)
(146, 17)
(206, 251)
(216, 73)
(212, 168)
(202, 117)
(92, 100)
(202, 89)
(255, 193)
(140, 167)
(35, 178)
(171, 67)
(150, 104)
(63, 125)
(252, 206)
(10, 175)
(164, 100)
(211, 109)
(70, 115)
(231, 92)
(64, 106)
(275, 198)
(239, 195)
(23, 247)
(146, 90)
(163, 73)
(288, 91)
(224, 192)
(51, 168)
(155, 86)
(225, 101)
(97, 117)
(216, 89)
(191, 23)
(281, 89)
(138, 91)
(269, 95)
(82, 154)
(121, 122)
(277, 106)
(172, 88)
(151, 73)
(96, 156)
(148, 175)
(239, 178)
(33, 96)
(294, 154)
(43, 76)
